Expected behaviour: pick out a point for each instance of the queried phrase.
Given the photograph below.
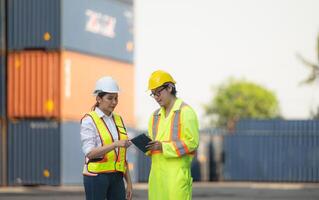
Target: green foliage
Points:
(241, 99)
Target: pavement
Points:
(143, 186)
(201, 191)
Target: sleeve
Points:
(88, 135)
(188, 140)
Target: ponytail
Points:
(101, 95)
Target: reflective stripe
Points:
(175, 128)
(180, 146)
(156, 117)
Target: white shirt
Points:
(90, 137)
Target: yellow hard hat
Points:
(158, 78)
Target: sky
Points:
(203, 43)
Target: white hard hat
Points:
(106, 84)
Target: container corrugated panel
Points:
(2, 86)
(34, 152)
(2, 26)
(277, 126)
(98, 27)
(272, 157)
(34, 24)
(3, 153)
(33, 84)
(72, 158)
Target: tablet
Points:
(141, 141)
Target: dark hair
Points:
(173, 92)
(101, 95)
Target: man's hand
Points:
(154, 146)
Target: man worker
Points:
(173, 129)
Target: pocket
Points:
(122, 130)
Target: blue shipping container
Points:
(3, 153)
(255, 126)
(288, 153)
(97, 27)
(33, 152)
(2, 26)
(2, 87)
(72, 158)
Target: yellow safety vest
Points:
(170, 176)
(111, 162)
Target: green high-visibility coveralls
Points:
(170, 176)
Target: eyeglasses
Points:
(158, 92)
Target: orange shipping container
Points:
(60, 84)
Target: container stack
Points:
(3, 140)
(56, 51)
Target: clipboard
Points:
(141, 141)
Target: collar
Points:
(176, 106)
(101, 114)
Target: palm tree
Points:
(314, 74)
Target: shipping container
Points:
(78, 76)
(34, 152)
(60, 85)
(48, 152)
(33, 84)
(2, 26)
(97, 27)
(3, 153)
(278, 126)
(290, 156)
(3, 87)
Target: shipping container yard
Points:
(51, 54)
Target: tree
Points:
(241, 99)
(313, 76)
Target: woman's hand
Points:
(129, 191)
(122, 143)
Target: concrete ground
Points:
(201, 191)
